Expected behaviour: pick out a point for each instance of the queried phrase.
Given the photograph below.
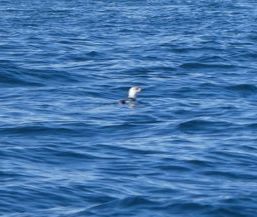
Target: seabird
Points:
(132, 94)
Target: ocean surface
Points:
(187, 148)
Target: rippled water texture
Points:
(188, 147)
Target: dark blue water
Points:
(188, 147)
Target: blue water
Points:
(188, 146)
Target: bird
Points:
(132, 95)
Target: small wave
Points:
(189, 206)
(229, 174)
(12, 80)
(127, 203)
(203, 125)
(252, 126)
(199, 163)
(249, 88)
(13, 75)
(135, 201)
(178, 168)
(37, 130)
(195, 65)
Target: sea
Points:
(186, 148)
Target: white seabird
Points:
(132, 95)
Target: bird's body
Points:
(127, 101)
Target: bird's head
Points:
(133, 91)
